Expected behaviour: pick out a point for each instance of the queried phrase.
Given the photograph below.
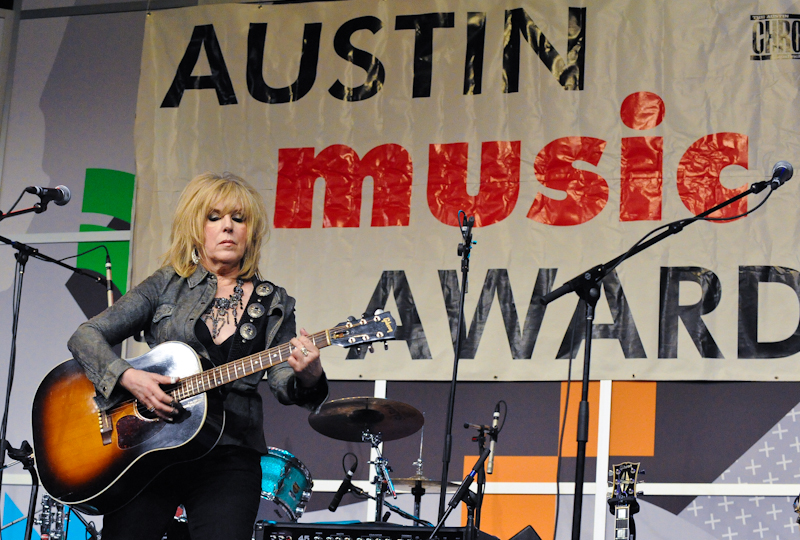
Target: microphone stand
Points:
(464, 494)
(37, 208)
(464, 251)
(25, 455)
(587, 287)
(480, 438)
(24, 252)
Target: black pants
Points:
(220, 492)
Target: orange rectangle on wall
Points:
(504, 516)
(633, 418)
(518, 468)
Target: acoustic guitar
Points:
(96, 461)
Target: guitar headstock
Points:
(355, 332)
(625, 477)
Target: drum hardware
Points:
(285, 486)
(54, 520)
(423, 482)
(372, 420)
(382, 479)
(419, 483)
(51, 520)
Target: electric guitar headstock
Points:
(622, 501)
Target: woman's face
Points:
(225, 238)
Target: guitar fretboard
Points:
(231, 371)
(622, 522)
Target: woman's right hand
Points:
(145, 387)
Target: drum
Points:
(285, 486)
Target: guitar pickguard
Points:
(133, 431)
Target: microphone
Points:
(59, 194)
(109, 292)
(344, 488)
(493, 440)
(781, 173)
(466, 226)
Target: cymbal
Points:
(346, 419)
(427, 483)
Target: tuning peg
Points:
(370, 348)
(358, 350)
(610, 473)
(642, 471)
(385, 346)
(639, 493)
(378, 311)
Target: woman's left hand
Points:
(305, 360)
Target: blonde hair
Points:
(227, 193)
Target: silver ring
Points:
(304, 351)
(151, 409)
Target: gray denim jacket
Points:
(166, 307)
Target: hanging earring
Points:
(195, 256)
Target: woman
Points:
(208, 295)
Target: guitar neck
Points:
(622, 529)
(231, 371)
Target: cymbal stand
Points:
(382, 480)
(418, 491)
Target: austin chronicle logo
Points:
(776, 36)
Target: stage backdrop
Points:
(567, 133)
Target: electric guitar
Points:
(96, 461)
(622, 502)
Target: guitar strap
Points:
(250, 334)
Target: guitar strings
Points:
(196, 380)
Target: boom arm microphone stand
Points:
(24, 252)
(464, 494)
(587, 287)
(464, 251)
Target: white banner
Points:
(568, 133)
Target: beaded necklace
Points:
(217, 312)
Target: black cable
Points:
(563, 430)
(16, 202)
(759, 205)
(103, 246)
(682, 223)
(345, 468)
